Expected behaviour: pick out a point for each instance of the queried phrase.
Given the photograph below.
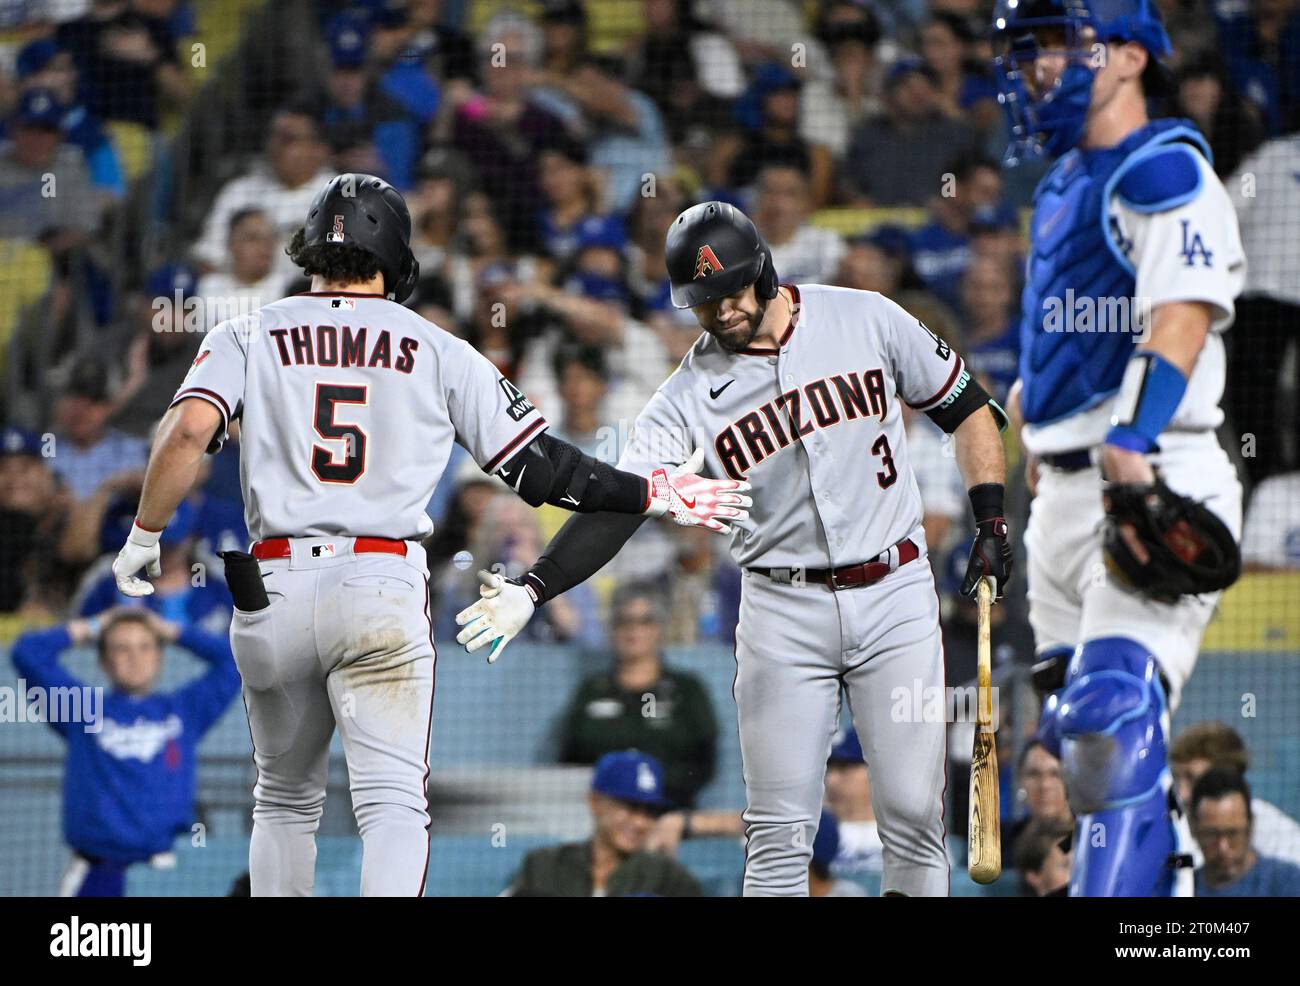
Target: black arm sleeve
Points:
(552, 471)
(960, 406)
(582, 548)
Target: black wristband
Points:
(986, 501)
(537, 577)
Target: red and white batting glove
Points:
(693, 501)
(140, 551)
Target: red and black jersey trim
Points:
(340, 294)
(789, 329)
(515, 443)
(942, 391)
(211, 396)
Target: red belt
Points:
(848, 577)
(279, 547)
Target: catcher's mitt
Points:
(1188, 549)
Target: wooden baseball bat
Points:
(984, 833)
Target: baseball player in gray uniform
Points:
(798, 390)
(349, 404)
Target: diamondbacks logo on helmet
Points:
(335, 235)
(706, 262)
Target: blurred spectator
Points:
(689, 68)
(1230, 123)
(832, 108)
(642, 703)
(32, 511)
(439, 238)
(163, 340)
(419, 54)
(703, 590)
(621, 127)
(1040, 795)
(580, 372)
(488, 526)
(965, 88)
(943, 493)
(1259, 39)
(1042, 857)
(1223, 824)
(353, 100)
(767, 30)
(848, 798)
(991, 340)
(572, 195)
(590, 306)
(1270, 539)
(282, 185)
(43, 64)
(941, 249)
(503, 128)
(647, 274)
(249, 279)
(189, 592)
(1267, 197)
(769, 112)
(130, 783)
(826, 847)
(86, 450)
(801, 252)
(35, 164)
(627, 795)
(127, 57)
(892, 161)
(1206, 745)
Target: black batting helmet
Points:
(712, 251)
(367, 212)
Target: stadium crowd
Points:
(544, 147)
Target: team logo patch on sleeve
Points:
(706, 262)
(335, 235)
(519, 403)
(941, 348)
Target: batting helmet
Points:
(713, 250)
(367, 212)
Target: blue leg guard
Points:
(1110, 719)
(1047, 732)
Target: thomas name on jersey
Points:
(767, 430)
(329, 345)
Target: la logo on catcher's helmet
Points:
(706, 262)
(713, 251)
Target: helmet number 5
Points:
(324, 464)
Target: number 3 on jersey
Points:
(323, 462)
(881, 448)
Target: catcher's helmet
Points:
(713, 250)
(367, 212)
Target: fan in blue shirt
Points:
(130, 781)
(1222, 822)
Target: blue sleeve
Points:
(398, 142)
(36, 659)
(102, 596)
(106, 170)
(203, 700)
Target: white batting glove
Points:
(693, 501)
(504, 608)
(140, 551)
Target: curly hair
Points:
(341, 264)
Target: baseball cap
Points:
(905, 67)
(826, 844)
(39, 108)
(34, 56)
(845, 747)
(19, 441)
(347, 42)
(445, 162)
(166, 280)
(600, 231)
(994, 219)
(89, 379)
(563, 12)
(632, 776)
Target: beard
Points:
(739, 335)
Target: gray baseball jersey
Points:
(348, 406)
(817, 428)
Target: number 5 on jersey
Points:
(323, 462)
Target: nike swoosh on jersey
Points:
(715, 394)
(568, 499)
(521, 477)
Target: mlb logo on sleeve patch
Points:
(322, 551)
